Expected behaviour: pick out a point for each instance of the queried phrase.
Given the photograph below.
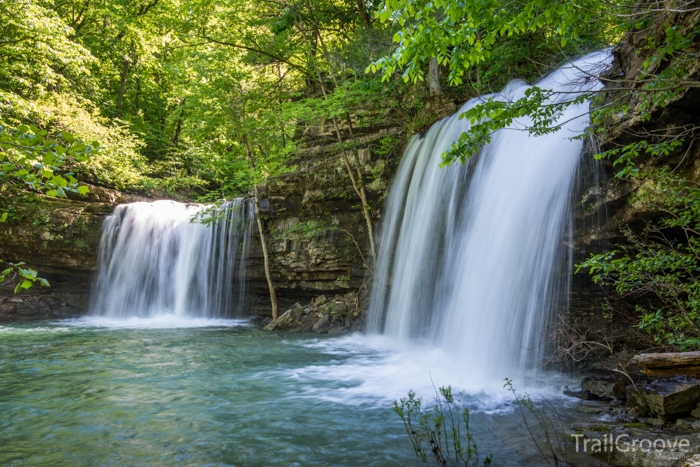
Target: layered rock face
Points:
(317, 232)
(601, 204)
(59, 238)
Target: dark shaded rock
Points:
(652, 421)
(604, 388)
(666, 396)
(282, 322)
(318, 326)
(320, 300)
(59, 238)
(582, 394)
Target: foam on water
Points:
(162, 321)
(378, 370)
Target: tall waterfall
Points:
(469, 253)
(153, 260)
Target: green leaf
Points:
(67, 136)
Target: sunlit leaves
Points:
(24, 276)
(463, 34)
(41, 163)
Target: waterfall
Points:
(469, 253)
(154, 260)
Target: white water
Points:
(469, 253)
(157, 266)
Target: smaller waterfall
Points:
(154, 260)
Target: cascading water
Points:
(468, 253)
(153, 261)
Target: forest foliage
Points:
(205, 99)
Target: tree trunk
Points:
(178, 127)
(364, 16)
(122, 85)
(363, 195)
(434, 77)
(263, 239)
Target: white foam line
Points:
(164, 321)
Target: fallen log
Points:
(669, 364)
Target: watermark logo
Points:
(663, 448)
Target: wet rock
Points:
(583, 395)
(685, 423)
(318, 326)
(652, 421)
(695, 412)
(320, 300)
(594, 407)
(334, 315)
(631, 448)
(594, 426)
(281, 322)
(666, 396)
(604, 388)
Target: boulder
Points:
(652, 422)
(318, 326)
(583, 395)
(666, 396)
(281, 322)
(695, 412)
(604, 388)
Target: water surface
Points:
(215, 393)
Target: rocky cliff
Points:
(59, 238)
(602, 204)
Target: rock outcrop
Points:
(59, 238)
(602, 203)
(322, 315)
(317, 232)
